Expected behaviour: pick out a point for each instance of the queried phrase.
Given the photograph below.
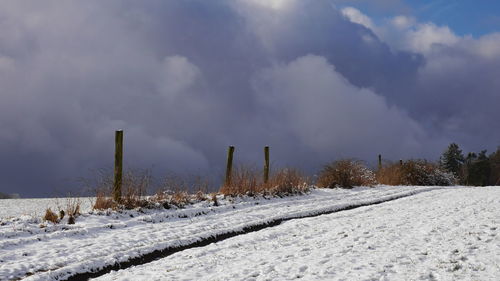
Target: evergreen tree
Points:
(478, 169)
(495, 168)
(452, 160)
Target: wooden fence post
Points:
(117, 184)
(266, 164)
(380, 162)
(229, 167)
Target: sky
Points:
(316, 80)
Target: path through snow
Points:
(438, 235)
(96, 241)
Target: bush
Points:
(415, 172)
(345, 173)
(421, 172)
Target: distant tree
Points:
(478, 169)
(495, 167)
(452, 160)
(4, 196)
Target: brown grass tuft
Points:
(180, 199)
(213, 198)
(51, 216)
(200, 196)
(104, 202)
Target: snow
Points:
(295, 248)
(10, 208)
(438, 235)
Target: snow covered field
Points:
(36, 207)
(434, 234)
(438, 235)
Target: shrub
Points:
(50, 216)
(415, 172)
(345, 173)
(421, 172)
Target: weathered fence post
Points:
(229, 167)
(117, 184)
(266, 164)
(380, 162)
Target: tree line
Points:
(477, 169)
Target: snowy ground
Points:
(438, 235)
(36, 207)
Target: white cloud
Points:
(403, 22)
(356, 16)
(272, 4)
(425, 36)
(330, 115)
(177, 75)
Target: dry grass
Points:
(200, 196)
(390, 174)
(286, 182)
(50, 216)
(247, 180)
(213, 198)
(134, 188)
(103, 202)
(345, 173)
(180, 199)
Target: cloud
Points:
(356, 16)
(177, 75)
(454, 91)
(331, 117)
(185, 79)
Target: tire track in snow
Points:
(158, 254)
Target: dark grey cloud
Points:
(185, 79)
